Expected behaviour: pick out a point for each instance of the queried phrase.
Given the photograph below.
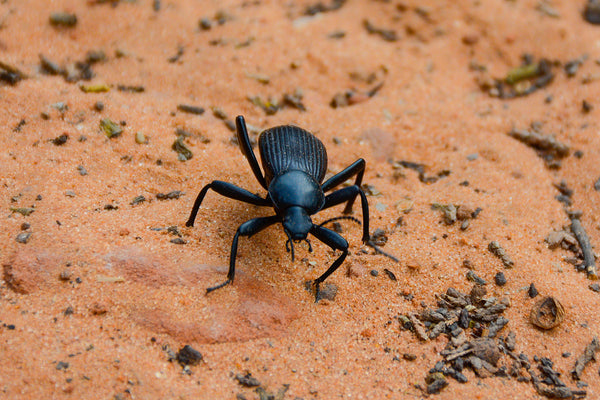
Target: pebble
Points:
(23, 237)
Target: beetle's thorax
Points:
(296, 189)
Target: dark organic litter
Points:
(386, 34)
(175, 194)
(497, 250)
(547, 147)
(60, 140)
(589, 259)
(420, 168)
(320, 7)
(110, 128)
(547, 313)
(592, 12)
(520, 81)
(190, 109)
(187, 355)
(500, 279)
(183, 152)
(247, 380)
(588, 355)
(63, 19)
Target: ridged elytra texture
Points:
(287, 147)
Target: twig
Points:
(588, 354)
(589, 260)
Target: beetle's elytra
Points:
(294, 163)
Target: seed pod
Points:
(547, 313)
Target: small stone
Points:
(409, 356)
(374, 272)
(82, 170)
(532, 291)
(595, 287)
(23, 237)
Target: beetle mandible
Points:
(294, 163)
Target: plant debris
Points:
(187, 355)
(272, 105)
(197, 110)
(588, 355)
(472, 324)
(497, 250)
(420, 168)
(589, 260)
(519, 81)
(63, 19)
(351, 96)
(548, 384)
(99, 88)
(110, 128)
(592, 12)
(547, 313)
(183, 152)
(10, 74)
(131, 88)
(247, 380)
(60, 140)
(320, 7)
(172, 195)
(547, 147)
(386, 34)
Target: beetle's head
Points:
(296, 223)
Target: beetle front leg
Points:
(248, 228)
(336, 242)
(228, 190)
(349, 194)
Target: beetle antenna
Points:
(291, 243)
(348, 217)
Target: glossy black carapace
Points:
(294, 163)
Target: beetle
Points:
(294, 163)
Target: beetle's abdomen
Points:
(287, 147)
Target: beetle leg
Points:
(228, 190)
(248, 228)
(347, 194)
(290, 243)
(356, 168)
(309, 245)
(246, 147)
(336, 242)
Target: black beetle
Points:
(295, 162)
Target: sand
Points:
(106, 289)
